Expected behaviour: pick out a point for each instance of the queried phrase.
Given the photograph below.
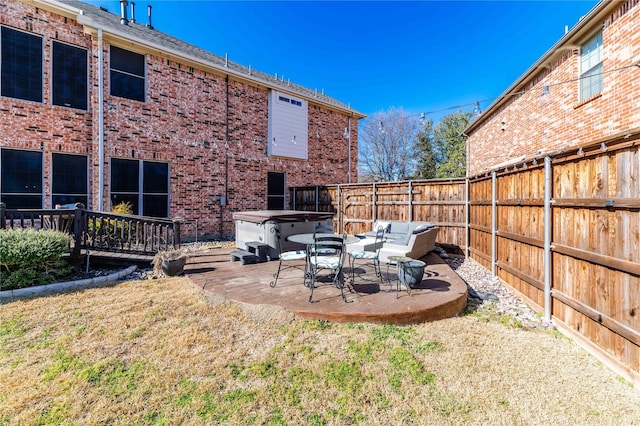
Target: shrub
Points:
(29, 257)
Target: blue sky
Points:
(421, 56)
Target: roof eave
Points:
(568, 41)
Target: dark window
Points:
(69, 76)
(70, 180)
(156, 189)
(275, 191)
(150, 200)
(127, 74)
(21, 179)
(21, 61)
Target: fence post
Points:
(374, 207)
(494, 222)
(176, 233)
(467, 218)
(77, 231)
(547, 238)
(410, 215)
(3, 215)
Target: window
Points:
(69, 76)
(127, 74)
(143, 184)
(275, 191)
(70, 180)
(591, 67)
(21, 179)
(21, 65)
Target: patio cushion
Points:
(422, 227)
(399, 227)
(364, 255)
(293, 255)
(384, 224)
(326, 262)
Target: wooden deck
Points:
(442, 293)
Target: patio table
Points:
(308, 240)
(410, 272)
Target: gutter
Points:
(557, 49)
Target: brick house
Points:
(99, 109)
(585, 88)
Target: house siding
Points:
(210, 127)
(536, 124)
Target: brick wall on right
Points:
(530, 123)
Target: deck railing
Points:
(98, 231)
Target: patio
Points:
(442, 293)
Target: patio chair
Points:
(327, 253)
(373, 255)
(293, 257)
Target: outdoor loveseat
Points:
(410, 239)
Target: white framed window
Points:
(288, 126)
(591, 67)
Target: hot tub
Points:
(258, 226)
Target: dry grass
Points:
(158, 352)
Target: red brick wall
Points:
(539, 124)
(183, 122)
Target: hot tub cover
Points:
(262, 216)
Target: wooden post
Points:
(467, 218)
(410, 215)
(494, 222)
(176, 233)
(547, 238)
(77, 232)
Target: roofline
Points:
(57, 6)
(569, 41)
(111, 32)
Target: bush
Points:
(29, 257)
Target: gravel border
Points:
(489, 296)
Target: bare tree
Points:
(386, 145)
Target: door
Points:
(276, 187)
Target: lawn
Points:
(158, 352)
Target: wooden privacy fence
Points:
(358, 206)
(98, 231)
(563, 231)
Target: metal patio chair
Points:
(292, 257)
(327, 253)
(369, 255)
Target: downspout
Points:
(547, 238)
(226, 154)
(349, 155)
(100, 123)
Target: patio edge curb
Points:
(9, 295)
